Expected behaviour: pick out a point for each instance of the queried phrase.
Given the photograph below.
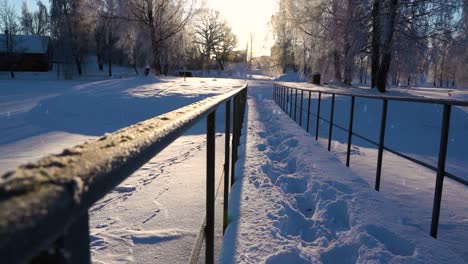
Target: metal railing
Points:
(44, 205)
(287, 98)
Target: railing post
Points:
(295, 107)
(234, 140)
(287, 100)
(440, 170)
(330, 129)
(76, 240)
(273, 93)
(308, 113)
(318, 116)
(300, 114)
(291, 104)
(227, 140)
(350, 131)
(283, 93)
(383, 124)
(210, 188)
(72, 247)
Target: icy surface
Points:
(293, 202)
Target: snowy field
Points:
(44, 116)
(296, 203)
(156, 214)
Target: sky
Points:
(244, 16)
(248, 17)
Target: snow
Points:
(41, 117)
(156, 214)
(414, 130)
(291, 77)
(293, 202)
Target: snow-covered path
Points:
(155, 215)
(412, 129)
(297, 203)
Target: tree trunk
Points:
(109, 51)
(387, 49)
(337, 65)
(135, 62)
(348, 64)
(78, 65)
(100, 61)
(348, 70)
(221, 65)
(154, 42)
(375, 54)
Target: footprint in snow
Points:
(261, 147)
(287, 257)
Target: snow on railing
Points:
(287, 98)
(44, 205)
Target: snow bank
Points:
(291, 77)
(293, 202)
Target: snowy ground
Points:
(156, 214)
(296, 203)
(413, 129)
(44, 116)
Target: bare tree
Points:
(35, 23)
(105, 35)
(9, 25)
(72, 26)
(225, 46)
(26, 19)
(162, 19)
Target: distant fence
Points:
(287, 98)
(44, 205)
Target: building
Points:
(25, 53)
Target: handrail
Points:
(46, 203)
(283, 96)
(325, 90)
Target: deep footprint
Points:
(261, 147)
(287, 257)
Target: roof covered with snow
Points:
(25, 43)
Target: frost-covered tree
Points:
(9, 26)
(26, 19)
(162, 19)
(213, 37)
(72, 26)
(105, 32)
(37, 22)
(393, 39)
